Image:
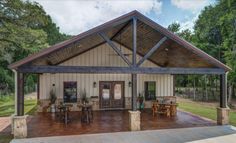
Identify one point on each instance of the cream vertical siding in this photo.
(164, 83)
(103, 56)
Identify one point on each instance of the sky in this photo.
(76, 16)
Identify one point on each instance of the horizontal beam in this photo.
(126, 70)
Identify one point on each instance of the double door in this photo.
(111, 94)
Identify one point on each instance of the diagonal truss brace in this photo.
(115, 48)
(152, 50)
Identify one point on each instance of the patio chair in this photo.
(155, 108)
(164, 109)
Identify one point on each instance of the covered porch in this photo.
(46, 124)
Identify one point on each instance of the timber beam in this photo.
(118, 51)
(125, 70)
(20, 94)
(223, 90)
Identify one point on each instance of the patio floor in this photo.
(45, 124)
(214, 134)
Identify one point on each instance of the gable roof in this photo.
(116, 25)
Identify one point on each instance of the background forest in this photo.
(25, 28)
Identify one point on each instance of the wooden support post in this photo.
(223, 90)
(134, 92)
(20, 94)
(223, 110)
(134, 42)
(38, 86)
(134, 76)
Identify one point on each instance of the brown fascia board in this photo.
(114, 22)
(182, 42)
(122, 19)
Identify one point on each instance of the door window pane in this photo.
(117, 91)
(106, 91)
(150, 90)
(70, 92)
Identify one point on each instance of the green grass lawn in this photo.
(5, 138)
(7, 105)
(205, 111)
(7, 108)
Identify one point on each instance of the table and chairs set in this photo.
(165, 106)
(64, 109)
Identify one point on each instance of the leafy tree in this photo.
(174, 27)
(215, 32)
(25, 28)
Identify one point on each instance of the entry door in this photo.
(111, 94)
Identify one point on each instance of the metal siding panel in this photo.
(101, 56)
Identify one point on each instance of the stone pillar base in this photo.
(222, 116)
(134, 121)
(19, 125)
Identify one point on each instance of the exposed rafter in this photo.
(121, 30)
(207, 60)
(115, 48)
(152, 50)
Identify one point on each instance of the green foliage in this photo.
(174, 27)
(6, 81)
(215, 33)
(30, 83)
(25, 28)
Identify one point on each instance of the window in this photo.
(150, 90)
(70, 92)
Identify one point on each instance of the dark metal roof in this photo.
(175, 52)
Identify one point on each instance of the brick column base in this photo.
(134, 121)
(19, 126)
(222, 116)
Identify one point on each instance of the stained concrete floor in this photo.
(213, 134)
(45, 125)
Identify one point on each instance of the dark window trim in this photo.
(146, 91)
(66, 82)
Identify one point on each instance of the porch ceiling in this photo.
(174, 52)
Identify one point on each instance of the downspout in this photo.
(15, 76)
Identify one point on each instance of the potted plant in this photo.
(53, 99)
(140, 101)
(84, 98)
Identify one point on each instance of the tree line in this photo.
(25, 28)
(215, 33)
